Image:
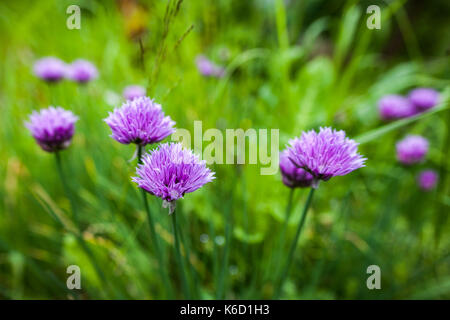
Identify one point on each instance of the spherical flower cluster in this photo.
(81, 71)
(52, 128)
(427, 179)
(170, 172)
(325, 154)
(208, 68)
(412, 149)
(424, 98)
(393, 107)
(50, 69)
(140, 121)
(292, 176)
(133, 91)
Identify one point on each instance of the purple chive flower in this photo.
(208, 68)
(292, 176)
(170, 172)
(412, 149)
(81, 71)
(133, 91)
(52, 128)
(394, 106)
(140, 121)
(325, 154)
(424, 98)
(50, 69)
(427, 179)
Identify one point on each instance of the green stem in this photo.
(153, 235)
(226, 253)
(180, 261)
(79, 234)
(282, 239)
(442, 188)
(294, 245)
(187, 253)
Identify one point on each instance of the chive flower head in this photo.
(140, 121)
(52, 128)
(170, 171)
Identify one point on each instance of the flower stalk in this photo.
(282, 238)
(153, 235)
(180, 262)
(79, 234)
(294, 245)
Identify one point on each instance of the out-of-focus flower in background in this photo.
(394, 106)
(208, 68)
(52, 128)
(424, 98)
(133, 91)
(427, 179)
(412, 149)
(81, 71)
(50, 69)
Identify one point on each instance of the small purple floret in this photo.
(292, 176)
(424, 98)
(393, 107)
(325, 154)
(427, 179)
(140, 121)
(412, 149)
(133, 91)
(170, 172)
(81, 71)
(50, 69)
(208, 68)
(52, 128)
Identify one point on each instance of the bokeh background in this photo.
(290, 65)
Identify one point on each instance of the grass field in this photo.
(289, 65)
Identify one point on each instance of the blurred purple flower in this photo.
(427, 179)
(133, 91)
(208, 68)
(52, 128)
(325, 154)
(424, 98)
(394, 106)
(50, 69)
(140, 121)
(170, 172)
(412, 149)
(292, 176)
(81, 71)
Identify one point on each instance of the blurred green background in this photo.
(292, 66)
